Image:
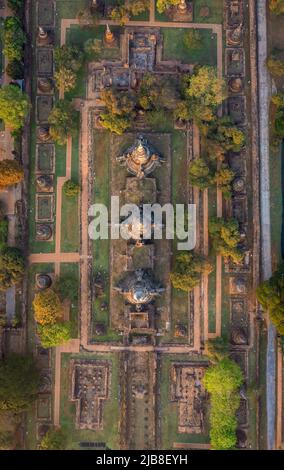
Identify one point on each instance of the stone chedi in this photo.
(42, 37)
(109, 36)
(44, 182)
(43, 281)
(141, 159)
(139, 288)
(43, 232)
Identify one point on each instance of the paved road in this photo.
(264, 98)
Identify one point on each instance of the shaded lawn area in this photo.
(70, 8)
(110, 432)
(175, 49)
(179, 196)
(70, 237)
(101, 146)
(212, 212)
(169, 410)
(215, 11)
(72, 270)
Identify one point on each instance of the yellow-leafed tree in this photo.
(47, 307)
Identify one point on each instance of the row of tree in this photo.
(52, 329)
(14, 39)
(222, 380)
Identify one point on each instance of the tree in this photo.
(14, 106)
(4, 226)
(223, 381)
(55, 439)
(276, 6)
(11, 173)
(52, 335)
(12, 267)
(65, 78)
(115, 123)
(71, 189)
(16, 6)
(163, 5)
(193, 39)
(149, 92)
(19, 382)
(187, 270)
(14, 38)
(275, 67)
(225, 238)
(223, 178)
(67, 288)
(47, 307)
(6, 440)
(270, 295)
(279, 122)
(222, 136)
(68, 56)
(204, 86)
(200, 174)
(217, 349)
(119, 107)
(62, 121)
(278, 100)
(68, 61)
(15, 70)
(93, 48)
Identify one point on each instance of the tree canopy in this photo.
(187, 270)
(14, 38)
(270, 295)
(14, 106)
(275, 67)
(163, 5)
(47, 307)
(12, 267)
(19, 382)
(119, 111)
(225, 238)
(200, 174)
(52, 335)
(55, 439)
(71, 189)
(63, 121)
(276, 6)
(223, 381)
(11, 173)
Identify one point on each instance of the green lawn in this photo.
(72, 270)
(179, 196)
(70, 226)
(175, 49)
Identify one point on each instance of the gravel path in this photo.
(264, 99)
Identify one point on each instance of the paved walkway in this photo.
(264, 99)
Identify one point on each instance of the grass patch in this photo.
(70, 237)
(175, 49)
(72, 270)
